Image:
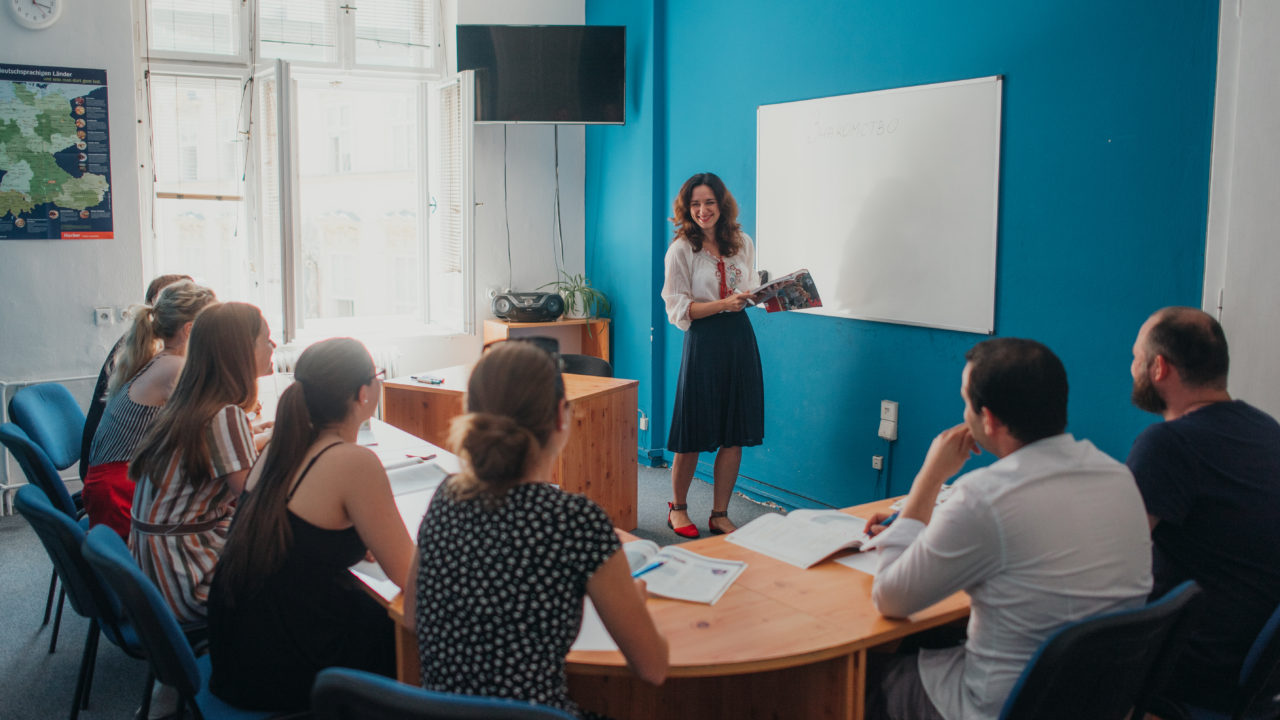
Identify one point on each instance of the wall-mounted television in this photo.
(574, 74)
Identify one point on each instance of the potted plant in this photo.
(580, 299)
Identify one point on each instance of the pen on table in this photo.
(427, 379)
(648, 569)
(423, 458)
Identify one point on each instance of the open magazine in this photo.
(803, 538)
(680, 574)
(794, 291)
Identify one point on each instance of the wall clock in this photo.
(35, 14)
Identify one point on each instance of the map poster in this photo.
(55, 156)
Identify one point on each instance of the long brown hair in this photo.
(177, 304)
(221, 370)
(727, 228)
(328, 378)
(513, 398)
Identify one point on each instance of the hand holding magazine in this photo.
(795, 291)
(680, 574)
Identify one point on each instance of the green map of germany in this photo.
(34, 124)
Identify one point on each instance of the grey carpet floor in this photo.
(36, 685)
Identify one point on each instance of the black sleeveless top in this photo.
(308, 615)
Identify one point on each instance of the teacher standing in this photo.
(719, 406)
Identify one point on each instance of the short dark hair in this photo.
(1023, 383)
(1193, 342)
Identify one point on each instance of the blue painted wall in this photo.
(1103, 204)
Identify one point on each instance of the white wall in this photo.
(48, 289)
(1242, 255)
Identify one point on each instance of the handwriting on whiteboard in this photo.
(866, 128)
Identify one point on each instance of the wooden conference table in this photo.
(781, 643)
(600, 459)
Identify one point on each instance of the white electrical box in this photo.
(889, 410)
(888, 430)
(877, 462)
(103, 316)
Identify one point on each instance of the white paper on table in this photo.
(592, 635)
(370, 573)
(803, 538)
(413, 507)
(416, 476)
(866, 561)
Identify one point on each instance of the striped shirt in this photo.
(180, 524)
(124, 422)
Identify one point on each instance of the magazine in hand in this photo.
(803, 538)
(795, 291)
(681, 574)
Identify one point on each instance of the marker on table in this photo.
(421, 458)
(428, 379)
(648, 568)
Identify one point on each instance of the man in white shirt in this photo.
(1052, 532)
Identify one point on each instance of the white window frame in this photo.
(241, 68)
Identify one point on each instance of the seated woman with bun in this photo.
(505, 557)
(283, 606)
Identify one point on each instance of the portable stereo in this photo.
(528, 306)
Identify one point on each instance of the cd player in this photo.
(528, 306)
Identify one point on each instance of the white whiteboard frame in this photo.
(778, 254)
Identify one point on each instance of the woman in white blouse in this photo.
(719, 406)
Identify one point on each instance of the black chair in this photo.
(1099, 667)
(1257, 695)
(168, 650)
(344, 694)
(586, 365)
(62, 538)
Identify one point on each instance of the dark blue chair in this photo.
(1099, 668)
(1257, 695)
(344, 694)
(168, 651)
(62, 538)
(52, 419)
(586, 365)
(42, 473)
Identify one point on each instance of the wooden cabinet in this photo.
(593, 333)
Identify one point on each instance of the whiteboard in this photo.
(889, 198)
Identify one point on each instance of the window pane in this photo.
(359, 193)
(298, 29)
(194, 26)
(205, 239)
(394, 33)
(197, 147)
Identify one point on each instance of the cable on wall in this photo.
(506, 213)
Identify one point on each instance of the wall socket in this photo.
(103, 316)
(877, 462)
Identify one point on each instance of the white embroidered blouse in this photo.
(695, 277)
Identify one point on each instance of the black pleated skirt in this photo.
(720, 395)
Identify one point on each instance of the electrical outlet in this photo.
(877, 462)
(888, 430)
(122, 313)
(889, 410)
(103, 316)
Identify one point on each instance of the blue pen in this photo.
(889, 520)
(648, 568)
(868, 537)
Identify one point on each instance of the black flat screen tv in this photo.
(573, 74)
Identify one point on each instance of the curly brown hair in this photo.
(727, 227)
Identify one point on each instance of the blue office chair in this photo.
(1098, 667)
(1257, 695)
(41, 473)
(586, 365)
(344, 694)
(62, 538)
(172, 660)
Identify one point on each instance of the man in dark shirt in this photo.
(1210, 477)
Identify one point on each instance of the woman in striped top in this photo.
(146, 369)
(192, 464)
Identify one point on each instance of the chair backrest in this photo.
(1260, 674)
(1097, 667)
(344, 694)
(167, 649)
(586, 365)
(52, 418)
(37, 466)
(63, 537)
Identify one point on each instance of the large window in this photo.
(296, 150)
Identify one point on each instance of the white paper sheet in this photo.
(592, 635)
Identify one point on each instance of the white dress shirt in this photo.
(692, 277)
(1049, 534)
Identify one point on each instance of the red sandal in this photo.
(686, 531)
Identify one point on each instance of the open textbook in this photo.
(680, 574)
(803, 538)
(794, 291)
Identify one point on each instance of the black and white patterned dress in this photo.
(500, 590)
